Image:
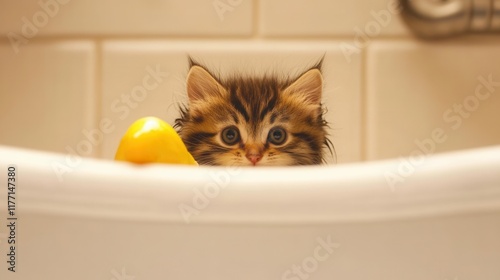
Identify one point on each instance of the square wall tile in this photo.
(127, 63)
(47, 95)
(115, 17)
(432, 97)
(371, 18)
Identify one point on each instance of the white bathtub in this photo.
(108, 220)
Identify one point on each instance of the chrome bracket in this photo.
(443, 18)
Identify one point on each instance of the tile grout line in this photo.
(256, 18)
(364, 104)
(254, 34)
(98, 92)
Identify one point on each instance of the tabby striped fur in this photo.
(254, 106)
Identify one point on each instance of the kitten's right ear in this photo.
(201, 85)
(307, 87)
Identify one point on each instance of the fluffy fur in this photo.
(257, 112)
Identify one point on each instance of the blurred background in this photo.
(75, 74)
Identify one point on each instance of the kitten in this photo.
(254, 120)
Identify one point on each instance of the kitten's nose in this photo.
(254, 157)
(253, 154)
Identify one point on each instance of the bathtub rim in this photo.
(469, 182)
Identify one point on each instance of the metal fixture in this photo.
(441, 18)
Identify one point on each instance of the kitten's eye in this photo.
(277, 136)
(230, 135)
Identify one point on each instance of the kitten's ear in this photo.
(201, 85)
(307, 87)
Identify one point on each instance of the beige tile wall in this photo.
(72, 68)
(417, 91)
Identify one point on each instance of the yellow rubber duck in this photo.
(151, 140)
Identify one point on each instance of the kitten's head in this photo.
(254, 121)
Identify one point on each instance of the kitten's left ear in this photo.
(201, 85)
(307, 87)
